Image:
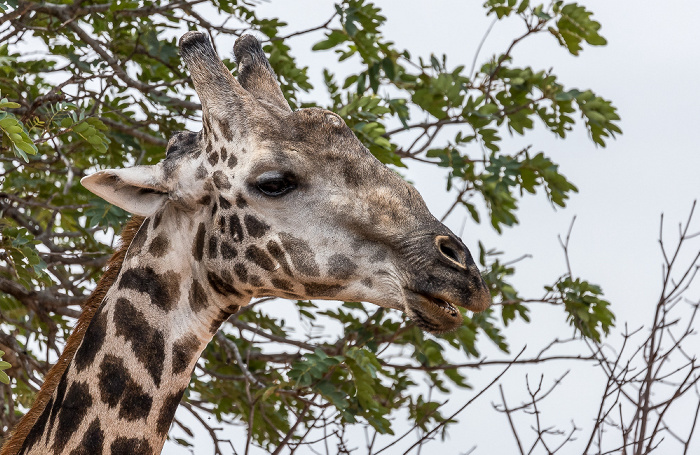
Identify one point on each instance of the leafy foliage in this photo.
(4, 378)
(14, 132)
(587, 311)
(20, 252)
(79, 104)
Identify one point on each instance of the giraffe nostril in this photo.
(451, 250)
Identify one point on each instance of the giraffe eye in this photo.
(275, 184)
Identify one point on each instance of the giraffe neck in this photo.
(120, 392)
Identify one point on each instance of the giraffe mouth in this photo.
(442, 305)
(431, 313)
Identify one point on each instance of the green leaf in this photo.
(13, 130)
(586, 310)
(575, 26)
(334, 38)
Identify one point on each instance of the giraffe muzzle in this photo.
(448, 279)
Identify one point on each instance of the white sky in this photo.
(649, 69)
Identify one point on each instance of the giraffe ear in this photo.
(138, 190)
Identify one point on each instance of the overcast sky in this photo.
(650, 70)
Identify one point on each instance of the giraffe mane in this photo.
(17, 436)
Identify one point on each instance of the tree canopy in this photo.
(104, 87)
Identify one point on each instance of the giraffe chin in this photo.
(431, 313)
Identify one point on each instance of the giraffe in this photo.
(263, 201)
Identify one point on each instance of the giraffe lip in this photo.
(444, 305)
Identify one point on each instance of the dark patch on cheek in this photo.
(198, 298)
(235, 228)
(260, 258)
(241, 272)
(214, 208)
(140, 238)
(159, 246)
(209, 149)
(147, 343)
(198, 245)
(322, 290)
(367, 282)
(212, 157)
(225, 204)
(232, 161)
(136, 404)
(301, 254)
(92, 341)
(92, 441)
(341, 267)
(255, 227)
(222, 224)
(282, 284)
(276, 251)
(201, 173)
(224, 154)
(205, 200)
(130, 446)
(226, 130)
(221, 181)
(167, 412)
(112, 380)
(74, 409)
(241, 203)
(163, 289)
(213, 247)
(184, 351)
(228, 251)
(222, 284)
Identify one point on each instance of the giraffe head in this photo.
(291, 204)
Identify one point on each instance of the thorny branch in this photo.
(642, 385)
